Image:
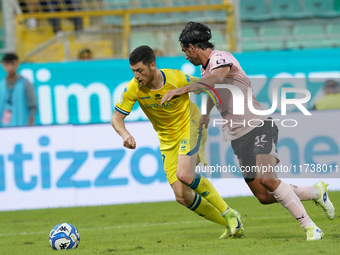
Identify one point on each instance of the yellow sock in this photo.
(203, 187)
(205, 209)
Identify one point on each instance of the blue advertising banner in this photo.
(86, 92)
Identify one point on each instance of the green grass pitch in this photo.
(168, 228)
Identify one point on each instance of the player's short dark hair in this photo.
(142, 54)
(9, 57)
(197, 34)
(331, 84)
(83, 51)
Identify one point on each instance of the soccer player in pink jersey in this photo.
(254, 146)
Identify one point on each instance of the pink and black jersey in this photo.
(237, 125)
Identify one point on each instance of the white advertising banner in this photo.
(61, 166)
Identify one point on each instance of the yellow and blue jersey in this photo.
(328, 102)
(171, 119)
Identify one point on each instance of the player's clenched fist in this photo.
(204, 120)
(129, 142)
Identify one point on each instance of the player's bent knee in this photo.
(269, 183)
(266, 182)
(184, 178)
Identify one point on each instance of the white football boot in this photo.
(324, 200)
(314, 233)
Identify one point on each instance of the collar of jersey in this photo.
(206, 64)
(164, 78)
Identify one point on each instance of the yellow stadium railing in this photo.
(28, 44)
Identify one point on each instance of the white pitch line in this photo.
(107, 228)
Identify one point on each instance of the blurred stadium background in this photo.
(292, 43)
(54, 30)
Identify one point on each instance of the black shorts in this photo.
(260, 140)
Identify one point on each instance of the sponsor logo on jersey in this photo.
(220, 61)
(158, 96)
(185, 141)
(167, 104)
(144, 97)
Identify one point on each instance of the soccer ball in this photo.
(64, 236)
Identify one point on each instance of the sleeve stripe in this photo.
(230, 64)
(121, 111)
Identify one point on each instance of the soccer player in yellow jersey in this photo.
(181, 140)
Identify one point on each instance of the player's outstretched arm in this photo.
(117, 122)
(216, 76)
